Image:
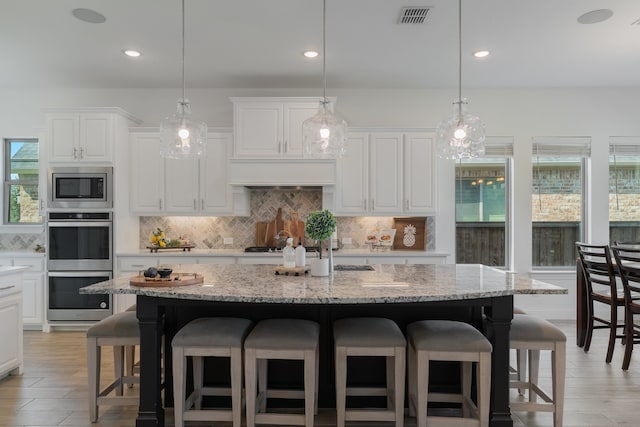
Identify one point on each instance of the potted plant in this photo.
(320, 225)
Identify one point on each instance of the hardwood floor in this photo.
(53, 389)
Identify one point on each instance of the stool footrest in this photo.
(285, 394)
(208, 415)
(367, 391)
(369, 414)
(282, 419)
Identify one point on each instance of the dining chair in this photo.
(628, 263)
(600, 279)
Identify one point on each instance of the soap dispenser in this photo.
(301, 254)
(289, 254)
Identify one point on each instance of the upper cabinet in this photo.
(87, 135)
(386, 173)
(271, 127)
(183, 186)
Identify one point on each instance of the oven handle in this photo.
(80, 274)
(79, 224)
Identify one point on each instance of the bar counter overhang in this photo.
(480, 295)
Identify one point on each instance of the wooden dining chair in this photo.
(600, 279)
(628, 263)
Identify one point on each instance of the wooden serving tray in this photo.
(176, 279)
(295, 271)
(154, 248)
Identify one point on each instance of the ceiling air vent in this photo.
(413, 15)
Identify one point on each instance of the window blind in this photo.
(624, 145)
(498, 146)
(562, 146)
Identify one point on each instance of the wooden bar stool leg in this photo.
(534, 368)
(118, 367)
(179, 380)
(390, 371)
(309, 386)
(93, 367)
(558, 366)
(198, 374)
(483, 379)
(236, 386)
(422, 374)
(521, 363)
(465, 385)
(412, 380)
(250, 368)
(315, 404)
(341, 385)
(262, 384)
(130, 361)
(400, 367)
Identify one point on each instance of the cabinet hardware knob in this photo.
(372, 204)
(81, 152)
(407, 204)
(285, 147)
(279, 147)
(160, 200)
(364, 204)
(202, 204)
(74, 153)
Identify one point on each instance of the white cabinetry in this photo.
(183, 186)
(10, 324)
(32, 288)
(270, 127)
(386, 173)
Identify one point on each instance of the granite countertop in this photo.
(240, 252)
(387, 284)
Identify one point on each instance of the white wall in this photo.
(519, 113)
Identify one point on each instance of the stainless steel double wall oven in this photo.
(80, 242)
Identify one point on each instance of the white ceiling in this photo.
(259, 44)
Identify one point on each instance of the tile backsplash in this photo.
(209, 232)
(20, 242)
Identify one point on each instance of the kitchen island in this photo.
(480, 295)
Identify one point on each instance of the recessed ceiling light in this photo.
(132, 53)
(481, 53)
(310, 53)
(89, 15)
(595, 16)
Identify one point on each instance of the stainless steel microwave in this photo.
(80, 187)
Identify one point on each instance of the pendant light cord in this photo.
(460, 57)
(183, 79)
(324, 56)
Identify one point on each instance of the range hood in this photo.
(282, 172)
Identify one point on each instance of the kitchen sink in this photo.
(347, 267)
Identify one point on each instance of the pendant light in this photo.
(460, 136)
(325, 134)
(181, 135)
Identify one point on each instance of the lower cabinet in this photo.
(10, 325)
(33, 291)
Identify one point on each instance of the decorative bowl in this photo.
(164, 272)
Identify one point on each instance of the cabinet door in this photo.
(295, 113)
(352, 173)
(215, 193)
(385, 177)
(96, 137)
(419, 173)
(63, 137)
(10, 327)
(147, 172)
(182, 194)
(33, 299)
(258, 129)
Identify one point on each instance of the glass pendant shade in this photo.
(182, 136)
(324, 135)
(461, 136)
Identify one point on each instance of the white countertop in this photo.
(387, 284)
(5, 271)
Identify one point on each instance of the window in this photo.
(482, 190)
(21, 177)
(557, 199)
(624, 189)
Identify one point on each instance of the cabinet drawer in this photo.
(34, 264)
(136, 264)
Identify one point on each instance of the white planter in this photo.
(319, 267)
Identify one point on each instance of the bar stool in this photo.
(448, 340)
(290, 339)
(518, 373)
(118, 330)
(369, 336)
(533, 334)
(208, 337)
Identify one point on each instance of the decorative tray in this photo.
(183, 248)
(294, 271)
(175, 279)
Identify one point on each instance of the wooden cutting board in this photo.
(295, 227)
(261, 233)
(273, 228)
(176, 279)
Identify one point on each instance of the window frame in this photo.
(7, 182)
